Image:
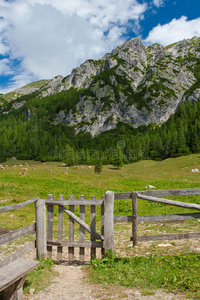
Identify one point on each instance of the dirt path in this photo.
(71, 284)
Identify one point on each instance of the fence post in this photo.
(134, 219)
(41, 240)
(109, 221)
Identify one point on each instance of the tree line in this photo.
(31, 133)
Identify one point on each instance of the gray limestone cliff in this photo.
(135, 84)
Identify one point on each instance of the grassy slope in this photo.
(169, 174)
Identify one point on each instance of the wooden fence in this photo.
(152, 195)
(104, 239)
(11, 236)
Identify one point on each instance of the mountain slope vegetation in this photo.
(135, 103)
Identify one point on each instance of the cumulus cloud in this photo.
(176, 30)
(158, 3)
(51, 37)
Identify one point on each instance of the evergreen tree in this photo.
(98, 167)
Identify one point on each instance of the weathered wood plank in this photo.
(134, 219)
(17, 254)
(71, 230)
(80, 222)
(179, 236)
(8, 237)
(93, 227)
(16, 206)
(50, 224)
(41, 239)
(75, 202)
(102, 223)
(123, 219)
(82, 230)
(9, 274)
(158, 218)
(60, 228)
(109, 221)
(159, 193)
(169, 202)
(86, 244)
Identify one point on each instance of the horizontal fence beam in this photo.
(159, 193)
(8, 237)
(169, 202)
(158, 218)
(19, 253)
(179, 236)
(75, 202)
(89, 244)
(16, 206)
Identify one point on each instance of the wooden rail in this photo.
(159, 193)
(16, 206)
(18, 233)
(152, 196)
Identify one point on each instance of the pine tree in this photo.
(98, 167)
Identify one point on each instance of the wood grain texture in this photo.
(60, 228)
(16, 206)
(9, 274)
(134, 219)
(169, 202)
(159, 193)
(50, 209)
(41, 238)
(179, 236)
(158, 218)
(109, 221)
(71, 230)
(8, 237)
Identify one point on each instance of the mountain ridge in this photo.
(135, 84)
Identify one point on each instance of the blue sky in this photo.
(40, 39)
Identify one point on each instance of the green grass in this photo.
(39, 278)
(176, 274)
(173, 173)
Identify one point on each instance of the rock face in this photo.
(136, 84)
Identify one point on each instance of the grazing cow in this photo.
(24, 169)
(33, 168)
(23, 173)
(50, 171)
(89, 167)
(2, 168)
(65, 173)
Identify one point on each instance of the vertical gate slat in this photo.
(82, 230)
(134, 219)
(60, 229)
(93, 226)
(71, 231)
(102, 223)
(50, 225)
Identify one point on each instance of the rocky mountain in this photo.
(135, 84)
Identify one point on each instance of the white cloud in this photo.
(4, 67)
(158, 3)
(51, 37)
(176, 30)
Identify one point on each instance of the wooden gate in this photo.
(85, 236)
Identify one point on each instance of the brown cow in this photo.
(23, 173)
